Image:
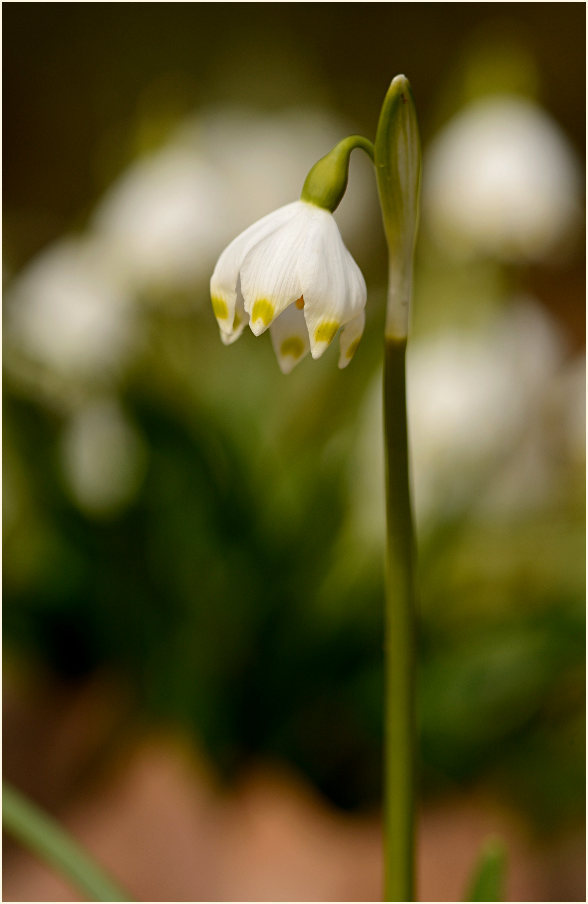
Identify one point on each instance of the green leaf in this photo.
(488, 878)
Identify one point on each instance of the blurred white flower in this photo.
(475, 399)
(162, 218)
(501, 179)
(291, 272)
(166, 217)
(472, 398)
(569, 397)
(103, 458)
(67, 312)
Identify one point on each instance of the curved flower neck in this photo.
(327, 180)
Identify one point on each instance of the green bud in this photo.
(398, 171)
(327, 180)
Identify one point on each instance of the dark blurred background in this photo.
(193, 543)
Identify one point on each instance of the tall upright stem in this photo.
(400, 745)
(397, 157)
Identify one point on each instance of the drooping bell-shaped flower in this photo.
(291, 272)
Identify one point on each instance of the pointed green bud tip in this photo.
(327, 180)
(398, 171)
(398, 165)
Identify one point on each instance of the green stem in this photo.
(400, 745)
(38, 832)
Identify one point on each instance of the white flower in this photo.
(69, 313)
(291, 272)
(480, 437)
(103, 458)
(158, 212)
(501, 179)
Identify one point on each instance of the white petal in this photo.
(333, 286)
(223, 282)
(269, 274)
(240, 320)
(290, 338)
(349, 338)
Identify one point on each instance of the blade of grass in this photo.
(41, 834)
(488, 878)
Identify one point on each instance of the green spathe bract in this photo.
(327, 180)
(398, 169)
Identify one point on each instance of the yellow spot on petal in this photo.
(325, 331)
(219, 306)
(353, 347)
(293, 346)
(263, 310)
(300, 302)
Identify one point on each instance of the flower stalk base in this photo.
(399, 769)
